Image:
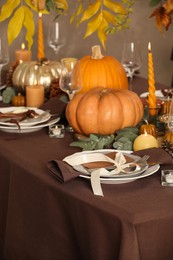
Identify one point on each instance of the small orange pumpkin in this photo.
(148, 129)
(18, 100)
(103, 71)
(104, 111)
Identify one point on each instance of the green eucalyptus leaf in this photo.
(8, 95)
(154, 2)
(123, 139)
(93, 137)
(118, 145)
(128, 146)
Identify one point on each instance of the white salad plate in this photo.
(42, 116)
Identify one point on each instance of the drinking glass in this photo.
(70, 78)
(4, 58)
(55, 38)
(131, 59)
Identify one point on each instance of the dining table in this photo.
(42, 218)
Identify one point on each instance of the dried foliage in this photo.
(101, 16)
(163, 13)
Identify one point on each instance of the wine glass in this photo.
(70, 78)
(131, 59)
(4, 58)
(55, 38)
(170, 116)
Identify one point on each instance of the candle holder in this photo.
(167, 178)
(56, 131)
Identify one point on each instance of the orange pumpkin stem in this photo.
(96, 52)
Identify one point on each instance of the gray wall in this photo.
(141, 27)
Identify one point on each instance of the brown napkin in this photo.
(157, 155)
(62, 171)
(55, 105)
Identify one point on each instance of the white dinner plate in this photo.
(27, 122)
(78, 159)
(151, 170)
(26, 129)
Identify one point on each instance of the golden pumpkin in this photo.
(32, 73)
(104, 111)
(18, 100)
(148, 129)
(103, 71)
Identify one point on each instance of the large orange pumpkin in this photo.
(103, 71)
(104, 111)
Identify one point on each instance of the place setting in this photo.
(25, 119)
(108, 166)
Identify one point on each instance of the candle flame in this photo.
(40, 15)
(20, 61)
(23, 46)
(149, 46)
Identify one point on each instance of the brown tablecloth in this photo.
(40, 218)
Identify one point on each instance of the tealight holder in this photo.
(167, 178)
(56, 131)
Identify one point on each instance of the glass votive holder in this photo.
(167, 178)
(56, 131)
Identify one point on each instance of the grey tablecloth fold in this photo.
(157, 155)
(62, 171)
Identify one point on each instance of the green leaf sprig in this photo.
(122, 140)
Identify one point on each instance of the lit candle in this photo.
(34, 95)
(152, 100)
(145, 141)
(57, 31)
(169, 178)
(40, 54)
(23, 55)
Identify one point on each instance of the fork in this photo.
(142, 159)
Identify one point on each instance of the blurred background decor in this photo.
(140, 27)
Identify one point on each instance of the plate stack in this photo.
(15, 119)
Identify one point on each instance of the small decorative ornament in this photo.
(18, 100)
(149, 129)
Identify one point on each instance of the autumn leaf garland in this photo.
(21, 13)
(101, 16)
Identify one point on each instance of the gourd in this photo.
(104, 111)
(103, 71)
(148, 129)
(18, 100)
(33, 73)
